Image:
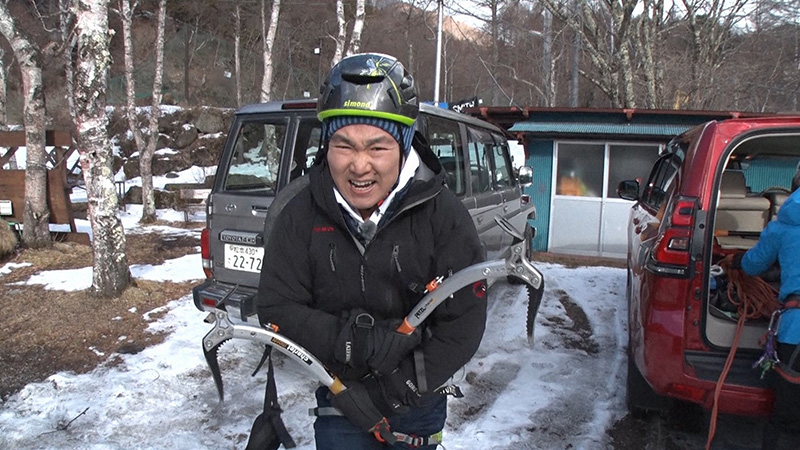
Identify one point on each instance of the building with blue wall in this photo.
(578, 157)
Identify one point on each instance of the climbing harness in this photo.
(412, 440)
(769, 359)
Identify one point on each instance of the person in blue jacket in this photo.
(780, 242)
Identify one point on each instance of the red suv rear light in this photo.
(205, 252)
(672, 253)
(673, 247)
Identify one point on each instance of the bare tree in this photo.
(606, 34)
(358, 27)
(237, 60)
(648, 43)
(711, 23)
(269, 42)
(341, 37)
(3, 91)
(489, 12)
(66, 24)
(36, 215)
(548, 62)
(354, 46)
(110, 267)
(146, 144)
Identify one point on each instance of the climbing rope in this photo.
(754, 299)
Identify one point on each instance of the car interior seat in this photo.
(776, 199)
(737, 210)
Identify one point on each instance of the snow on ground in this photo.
(556, 394)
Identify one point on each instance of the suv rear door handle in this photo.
(259, 210)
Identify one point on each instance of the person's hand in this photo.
(398, 389)
(366, 343)
(355, 403)
(390, 347)
(732, 261)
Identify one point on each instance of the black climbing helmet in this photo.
(369, 85)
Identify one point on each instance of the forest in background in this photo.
(683, 54)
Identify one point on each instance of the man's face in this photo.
(365, 162)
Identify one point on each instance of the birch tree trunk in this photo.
(3, 92)
(269, 41)
(110, 274)
(342, 36)
(67, 21)
(548, 62)
(147, 152)
(36, 214)
(236, 54)
(126, 14)
(358, 27)
(650, 26)
(3, 114)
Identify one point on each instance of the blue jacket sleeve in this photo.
(764, 254)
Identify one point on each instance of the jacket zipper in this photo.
(396, 257)
(332, 257)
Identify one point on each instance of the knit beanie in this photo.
(403, 134)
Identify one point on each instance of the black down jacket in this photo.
(315, 271)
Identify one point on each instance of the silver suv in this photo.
(253, 169)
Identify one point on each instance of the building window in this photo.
(580, 169)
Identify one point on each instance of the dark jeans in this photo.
(785, 416)
(337, 433)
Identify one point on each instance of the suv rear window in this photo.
(256, 156)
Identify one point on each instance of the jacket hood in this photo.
(789, 212)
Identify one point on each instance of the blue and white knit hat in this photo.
(401, 133)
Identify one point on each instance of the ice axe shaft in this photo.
(224, 329)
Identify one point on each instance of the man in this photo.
(349, 253)
(780, 242)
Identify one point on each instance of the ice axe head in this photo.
(211, 354)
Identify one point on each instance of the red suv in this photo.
(710, 193)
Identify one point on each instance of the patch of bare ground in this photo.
(573, 261)
(47, 331)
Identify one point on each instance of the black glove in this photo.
(390, 347)
(363, 342)
(355, 403)
(396, 392)
(736, 261)
(733, 260)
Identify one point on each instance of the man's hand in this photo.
(366, 343)
(355, 403)
(390, 347)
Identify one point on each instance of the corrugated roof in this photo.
(631, 129)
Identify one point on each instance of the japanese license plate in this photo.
(243, 257)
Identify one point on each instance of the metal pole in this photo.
(438, 55)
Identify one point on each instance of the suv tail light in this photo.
(205, 252)
(672, 252)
